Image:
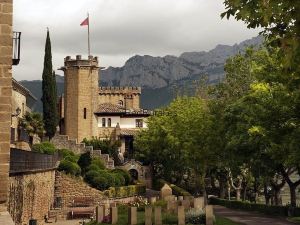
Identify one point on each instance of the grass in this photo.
(225, 221)
(294, 219)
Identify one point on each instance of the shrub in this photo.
(125, 191)
(175, 189)
(170, 219)
(84, 161)
(125, 174)
(89, 176)
(98, 162)
(65, 152)
(69, 167)
(44, 147)
(195, 216)
(119, 179)
(100, 183)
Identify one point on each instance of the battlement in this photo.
(78, 61)
(119, 90)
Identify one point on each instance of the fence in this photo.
(26, 161)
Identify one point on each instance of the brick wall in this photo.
(5, 94)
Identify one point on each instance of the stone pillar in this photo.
(152, 200)
(132, 215)
(114, 215)
(209, 215)
(181, 215)
(6, 15)
(157, 215)
(199, 203)
(99, 214)
(148, 215)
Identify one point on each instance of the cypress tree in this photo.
(49, 97)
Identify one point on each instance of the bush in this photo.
(65, 152)
(69, 167)
(195, 216)
(100, 183)
(125, 191)
(84, 161)
(44, 147)
(125, 174)
(89, 176)
(98, 162)
(119, 179)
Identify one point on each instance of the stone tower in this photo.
(80, 97)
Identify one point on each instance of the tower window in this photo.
(103, 122)
(109, 122)
(120, 102)
(138, 123)
(84, 113)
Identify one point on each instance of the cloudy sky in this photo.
(119, 29)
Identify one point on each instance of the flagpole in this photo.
(89, 46)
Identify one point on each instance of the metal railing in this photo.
(27, 161)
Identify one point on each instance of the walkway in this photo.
(249, 218)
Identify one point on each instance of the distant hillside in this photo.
(161, 77)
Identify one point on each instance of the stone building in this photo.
(23, 101)
(87, 110)
(6, 51)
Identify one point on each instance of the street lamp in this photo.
(18, 111)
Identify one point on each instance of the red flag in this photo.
(85, 22)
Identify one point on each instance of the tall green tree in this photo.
(49, 97)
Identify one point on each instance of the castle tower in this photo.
(80, 97)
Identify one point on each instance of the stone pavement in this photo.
(249, 218)
(67, 222)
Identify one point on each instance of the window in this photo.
(103, 122)
(120, 102)
(109, 122)
(138, 123)
(84, 113)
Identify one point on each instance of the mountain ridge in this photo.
(160, 75)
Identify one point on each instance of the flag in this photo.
(85, 22)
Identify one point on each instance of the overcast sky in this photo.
(119, 29)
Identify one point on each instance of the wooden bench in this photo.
(83, 202)
(82, 212)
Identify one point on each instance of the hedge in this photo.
(175, 189)
(262, 208)
(125, 191)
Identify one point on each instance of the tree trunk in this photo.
(238, 194)
(266, 194)
(277, 196)
(245, 192)
(293, 195)
(222, 188)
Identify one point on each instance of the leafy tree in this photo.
(84, 162)
(32, 123)
(279, 19)
(69, 167)
(49, 97)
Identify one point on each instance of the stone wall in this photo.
(31, 196)
(63, 142)
(6, 11)
(67, 188)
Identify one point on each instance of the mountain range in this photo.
(161, 77)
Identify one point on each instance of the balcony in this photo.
(16, 48)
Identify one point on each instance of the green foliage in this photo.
(49, 97)
(107, 146)
(44, 147)
(125, 174)
(33, 124)
(98, 163)
(69, 167)
(159, 183)
(125, 191)
(84, 162)
(279, 20)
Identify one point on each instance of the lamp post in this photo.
(18, 111)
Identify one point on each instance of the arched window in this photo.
(84, 113)
(120, 102)
(103, 122)
(109, 122)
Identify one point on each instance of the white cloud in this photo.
(119, 29)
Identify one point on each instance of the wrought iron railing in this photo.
(16, 47)
(27, 161)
